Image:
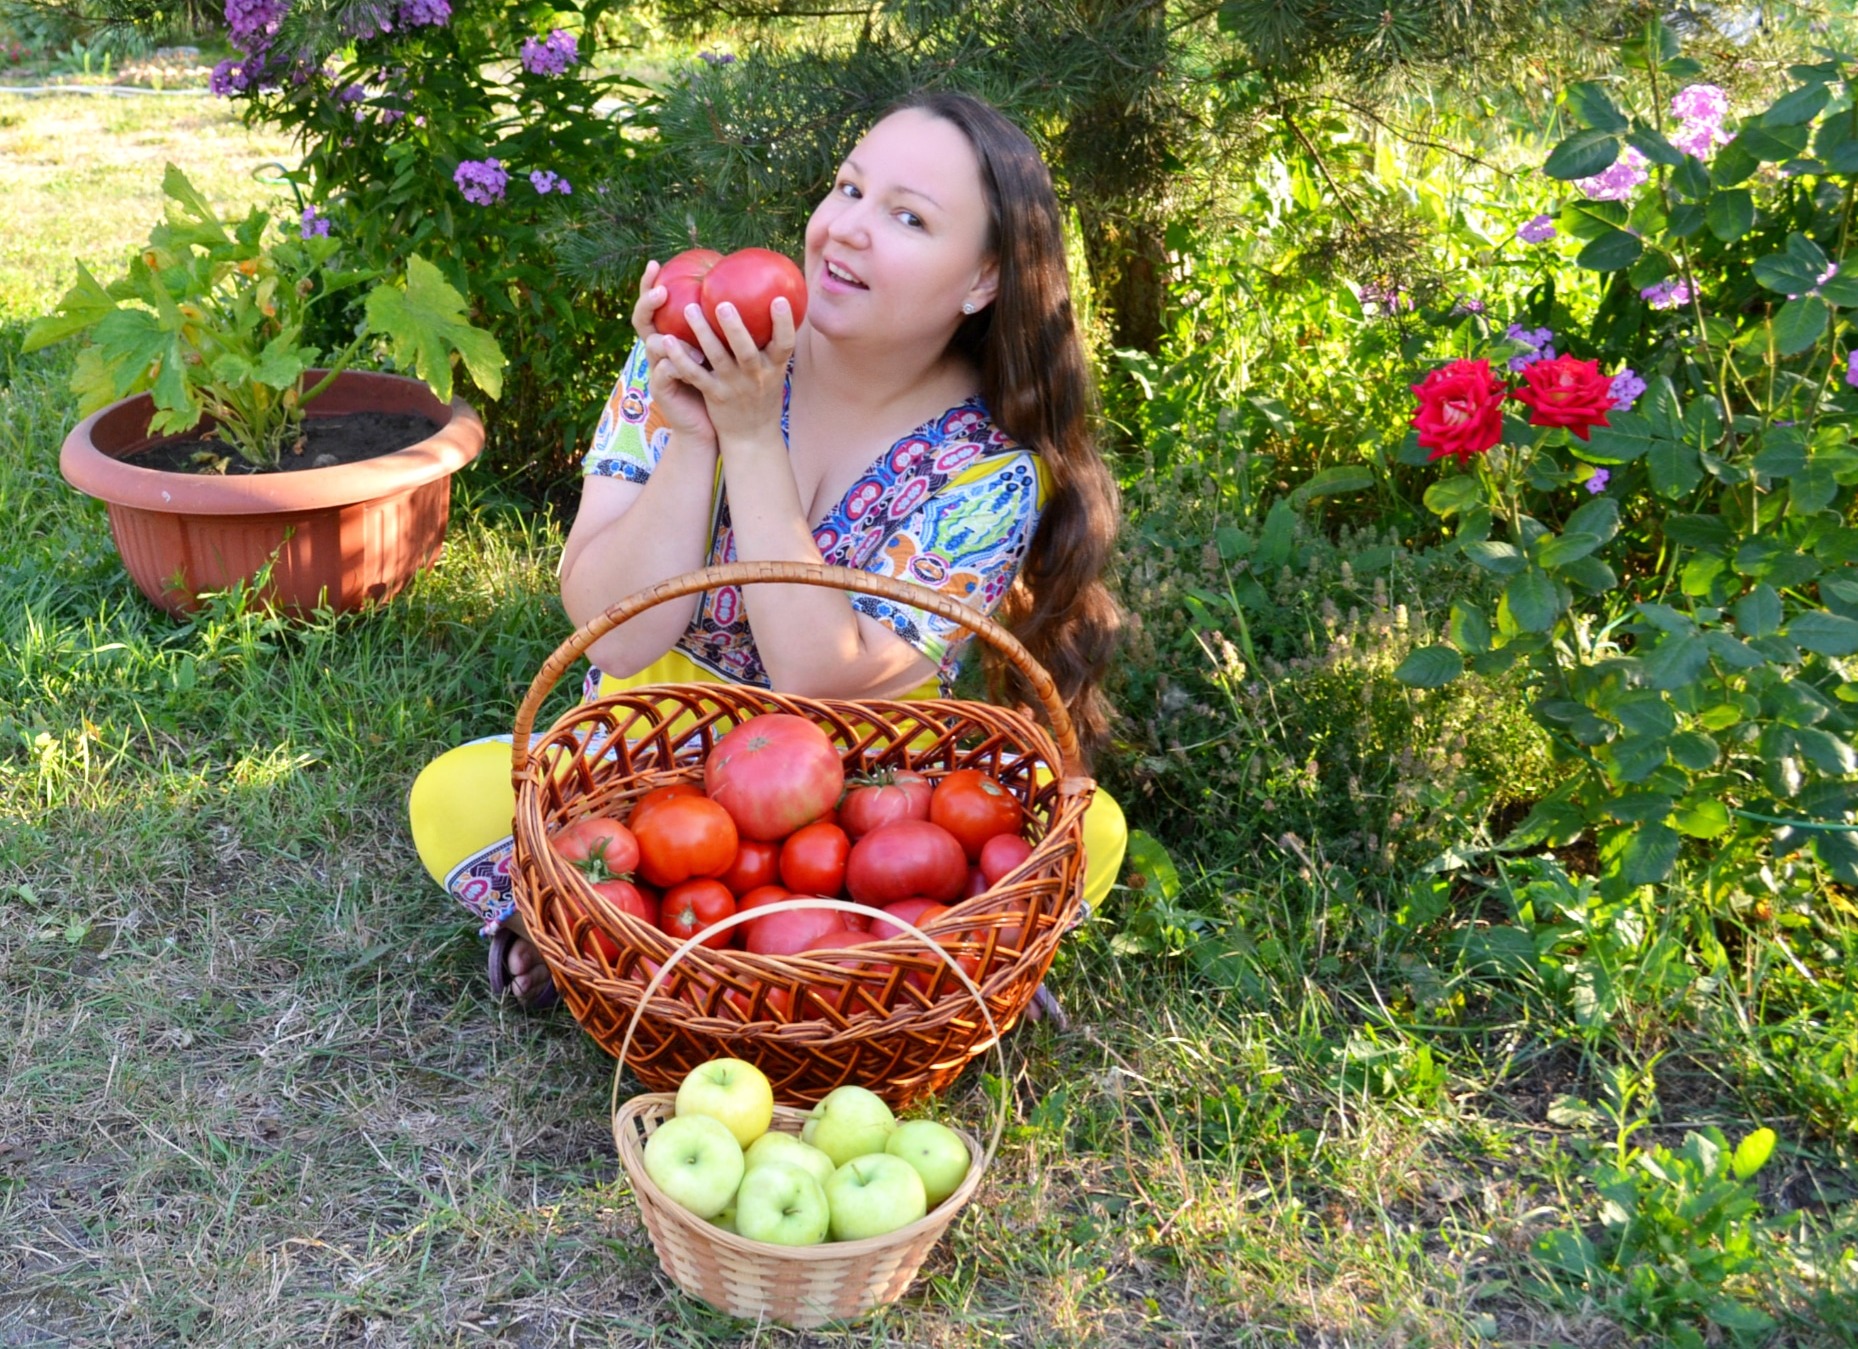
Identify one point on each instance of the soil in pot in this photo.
(345, 438)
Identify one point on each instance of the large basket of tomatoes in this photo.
(644, 817)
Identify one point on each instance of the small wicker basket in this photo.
(800, 1286)
(885, 1015)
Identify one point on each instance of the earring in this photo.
(967, 306)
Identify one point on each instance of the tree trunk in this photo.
(1128, 261)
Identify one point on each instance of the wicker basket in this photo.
(801, 1286)
(888, 1015)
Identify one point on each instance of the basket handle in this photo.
(841, 906)
(1064, 735)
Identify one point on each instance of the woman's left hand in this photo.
(742, 388)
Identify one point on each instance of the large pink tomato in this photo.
(773, 774)
(906, 859)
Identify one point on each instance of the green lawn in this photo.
(253, 1090)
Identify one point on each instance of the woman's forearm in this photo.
(811, 641)
(664, 533)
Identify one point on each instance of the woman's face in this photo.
(900, 242)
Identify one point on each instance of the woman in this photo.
(928, 420)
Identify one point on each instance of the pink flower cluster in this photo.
(545, 182)
(551, 55)
(1617, 181)
(1666, 294)
(1537, 230)
(1700, 109)
(1540, 342)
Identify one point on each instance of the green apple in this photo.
(872, 1195)
(850, 1122)
(936, 1151)
(774, 1146)
(725, 1219)
(781, 1204)
(732, 1091)
(696, 1161)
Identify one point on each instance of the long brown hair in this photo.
(1037, 384)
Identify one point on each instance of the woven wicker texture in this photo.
(888, 1016)
(799, 1286)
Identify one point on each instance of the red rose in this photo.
(1567, 392)
(1460, 410)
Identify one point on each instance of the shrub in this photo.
(455, 131)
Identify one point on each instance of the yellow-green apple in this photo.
(848, 1122)
(936, 1151)
(782, 1204)
(774, 1146)
(696, 1161)
(729, 1090)
(872, 1195)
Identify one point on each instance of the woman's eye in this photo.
(911, 219)
(849, 190)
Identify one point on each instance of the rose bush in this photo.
(1672, 544)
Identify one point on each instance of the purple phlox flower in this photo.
(1537, 229)
(1700, 103)
(1851, 369)
(1468, 304)
(1831, 271)
(546, 182)
(1389, 299)
(1617, 181)
(1666, 294)
(1539, 341)
(425, 13)
(1627, 386)
(314, 224)
(350, 93)
(228, 78)
(551, 55)
(482, 181)
(1597, 481)
(717, 58)
(253, 23)
(1701, 139)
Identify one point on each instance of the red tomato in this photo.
(813, 860)
(782, 934)
(941, 981)
(974, 807)
(760, 895)
(690, 907)
(773, 774)
(751, 279)
(600, 847)
(685, 838)
(977, 883)
(656, 797)
(1000, 854)
(627, 898)
(756, 864)
(905, 860)
(859, 995)
(917, 911)
(886, 796)
(682, 278)
(775, 1006)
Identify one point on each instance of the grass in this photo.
(253, 1090)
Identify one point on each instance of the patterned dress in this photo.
(952, 505)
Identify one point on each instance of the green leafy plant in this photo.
(1671, 538)
(1681, 1238)
(212, 321)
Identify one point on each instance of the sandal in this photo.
(503, 983)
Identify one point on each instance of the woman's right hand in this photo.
(681, 406)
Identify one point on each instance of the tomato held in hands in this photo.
(682, 278)
(905, 860)
(690, 907)
(884, 797)
(750, 279)
(685, 838)
(974, 808)
(773, 774)
(600, 847)
(813, 860)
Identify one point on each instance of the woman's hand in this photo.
(679, 403)
(743, 387)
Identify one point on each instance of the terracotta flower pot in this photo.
(344, 536)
